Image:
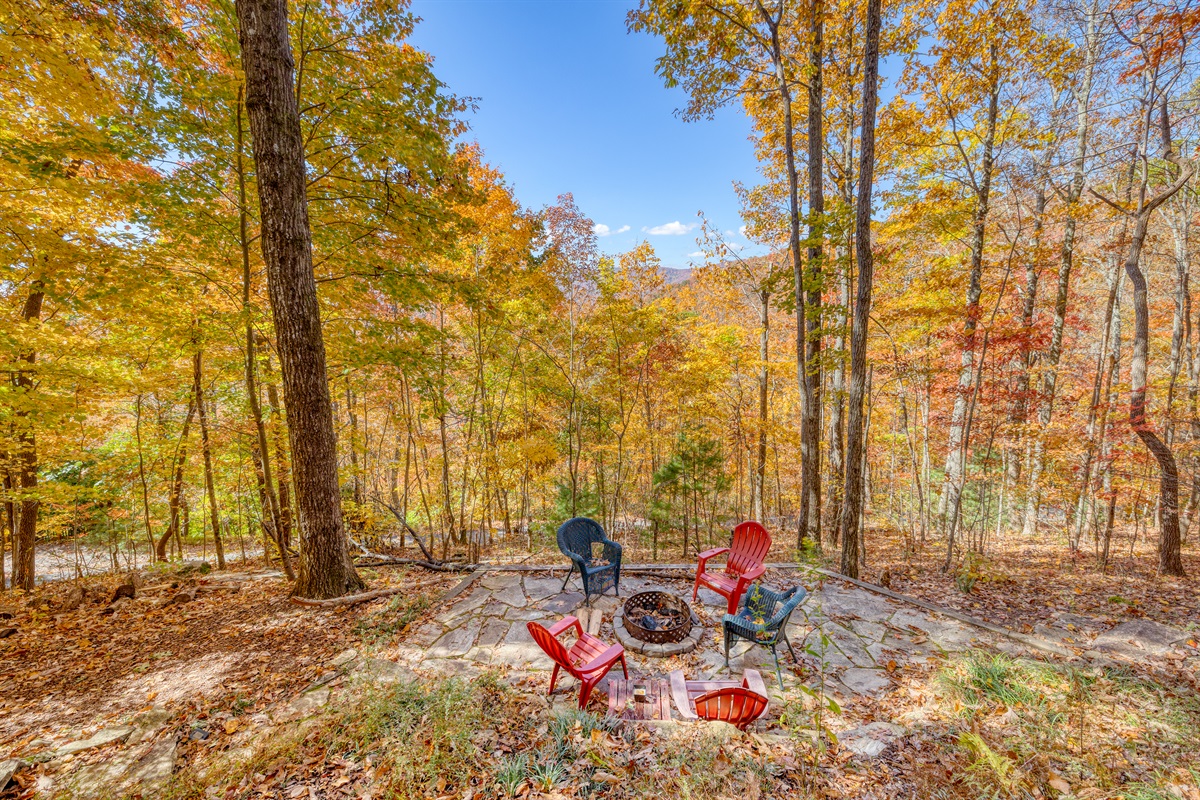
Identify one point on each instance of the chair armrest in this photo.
(582, 561)
(740, 623)
(680, 696)
(604, 660)
(752, 574)
(793, 602)
(565, 623)
(612, 551)
(707, 554)
(753, 681)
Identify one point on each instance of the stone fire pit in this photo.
(657, 624)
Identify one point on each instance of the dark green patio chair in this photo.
(763, 620)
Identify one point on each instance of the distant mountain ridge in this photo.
(676, 275)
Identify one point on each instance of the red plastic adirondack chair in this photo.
(747, 551)
(737, 703)
(588, 660)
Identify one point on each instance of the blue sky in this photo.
(569, 102)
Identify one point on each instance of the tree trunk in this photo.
(283, 472)
(272, 511)
(837, 417)
(789, 152)
(764, 340)
(209, 485)
(25, 539)
(325, 566)
(852, 494)
(1169, 559)
(173, 499)
(810, 423)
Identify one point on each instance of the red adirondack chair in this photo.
(747, 551)
(737, 703)
(588, 660)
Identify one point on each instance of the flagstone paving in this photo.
(849, 639)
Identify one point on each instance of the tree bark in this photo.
(325, 566)
(793, 179)
(269, 503)
(25, 539)
(810, 424)
(178, 464)
(852, 493)
(1169, 560)
(764, 340)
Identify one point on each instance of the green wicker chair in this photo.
(763, 620)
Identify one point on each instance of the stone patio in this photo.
(850, 636)
(849, 640)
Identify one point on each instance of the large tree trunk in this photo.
(764, 355)
(1169, 559)
(810, 415)
(852, 493)
(269, 503)
(789, 153)
(209, 484)
(25, 539)
(325, 566)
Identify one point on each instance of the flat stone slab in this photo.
(541, 588)
(870, 740)
(381, 670)
(836, 600)
(511, 595)
(144, 770)
(100, 739)
(344, 658)
(307, 704)
(864, 681)
(492, 633)
(1139, 637)
(478, 596)
(456, 642)
(563, 603)
(525, 614)
(426, 635)
(9, 768)
(501, 581)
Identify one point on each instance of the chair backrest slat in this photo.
(734, 705)
(550, 646)
(749, 547)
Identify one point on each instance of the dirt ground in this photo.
(240, 642)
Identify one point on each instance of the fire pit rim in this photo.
(658, 636)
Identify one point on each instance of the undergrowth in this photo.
(1030, 729)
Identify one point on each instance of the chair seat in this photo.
(718, 582)
(587, 648)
